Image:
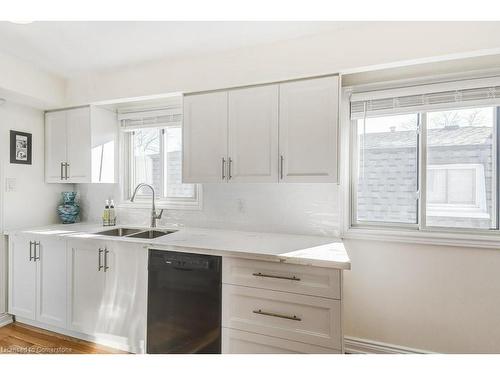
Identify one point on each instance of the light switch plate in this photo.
(10, 184)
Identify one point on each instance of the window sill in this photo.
(457, 238)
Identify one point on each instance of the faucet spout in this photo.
(154, 215)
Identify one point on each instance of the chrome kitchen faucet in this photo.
(154, 215)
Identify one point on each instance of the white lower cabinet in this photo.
(97, 290)
(37, 279)
(87, 288)
(22, 277)
(108, 292)
(124, 306)
(313, 281)
(51, 293)
(271, 307)
(240, 342)
(308, 319)
(86, 280)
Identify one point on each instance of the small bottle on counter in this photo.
(105, 214)
(112, 213)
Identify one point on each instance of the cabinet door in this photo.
(86, 286)
(22, 277)
(308, 130)
(253, 134)
(126, 293)
(55, 146)
(51, 281)
(79, 145)
(204, 137)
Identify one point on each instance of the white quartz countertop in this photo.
(286, 248)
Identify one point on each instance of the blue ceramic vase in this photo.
(69, 210)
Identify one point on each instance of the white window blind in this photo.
(459, 94)
(150, 119)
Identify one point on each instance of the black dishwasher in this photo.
(184, 303)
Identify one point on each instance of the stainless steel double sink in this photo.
(136, 233)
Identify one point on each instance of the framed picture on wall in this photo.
(20, 147)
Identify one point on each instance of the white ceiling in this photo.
(68, 48)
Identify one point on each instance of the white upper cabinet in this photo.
(81, 145)
(253, 134)
(309, 130)
(78, 144)
(204, 137)
(284, 132)
(55, 145)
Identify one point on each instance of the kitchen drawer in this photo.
(307, 319)
(241, 342)
(314, 281)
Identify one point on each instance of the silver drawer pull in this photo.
(106, 252)
(259, 274)
(36, 244)
(31, 251)
(230, 162)
(99, 264)
(282, 159)
(260, 312)
(223, 168)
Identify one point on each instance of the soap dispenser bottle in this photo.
(112, 213)
(105, 214)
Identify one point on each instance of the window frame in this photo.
(162, 202)
(402, 232)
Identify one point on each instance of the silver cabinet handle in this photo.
(229, 160)
(289, 317)
(62, 166)
(259, 274)
(37, 244)
(66, 166)
(31, 251)
(106, 252)
(282, 159)
(99, 265)
(223, 168)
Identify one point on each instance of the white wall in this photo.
(436, 298)
(351, 48)
(24, 83)
(287, 208)
(34, 202)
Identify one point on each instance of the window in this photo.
(426, 161)
(460, 168)
(387, 175)
(154, 156)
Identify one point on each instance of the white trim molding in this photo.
(5, 319)
(456, 238)
(355, 345)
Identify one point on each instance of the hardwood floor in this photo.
(18, 338)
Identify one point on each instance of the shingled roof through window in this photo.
(449, 136)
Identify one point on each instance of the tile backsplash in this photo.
(283, 208)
